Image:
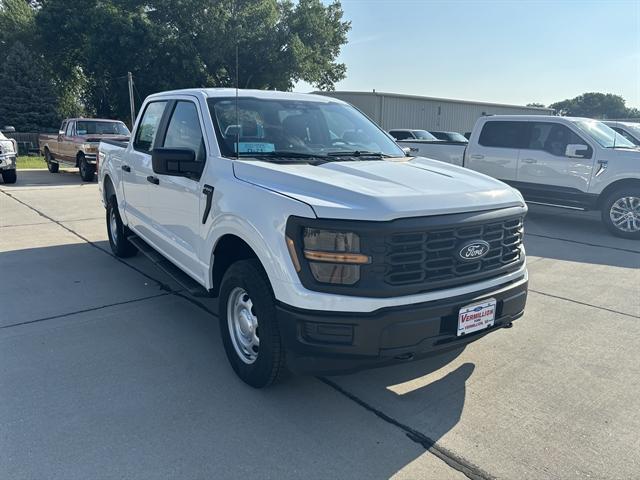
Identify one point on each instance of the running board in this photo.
(188, 283)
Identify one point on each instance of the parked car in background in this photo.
(568, 162)
(408, 134)
(357, 255)
(8, 157)
(629, 130)
(453, 137)
(76, 144)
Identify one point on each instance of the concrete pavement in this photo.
(108, 370)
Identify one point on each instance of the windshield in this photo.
(101, 128)
(604, 135)
(423, 135)
(274, 127)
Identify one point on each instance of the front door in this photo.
(136, 169)
(544, 167)
(176, 200)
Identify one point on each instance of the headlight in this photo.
(90, 148)
(334, 257)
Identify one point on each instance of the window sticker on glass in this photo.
(256, 147)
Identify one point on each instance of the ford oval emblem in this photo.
(474, 250)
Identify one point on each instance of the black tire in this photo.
(120, 246)
(87, 170)
(52, 166)
(9, 176)
(269, 366)
(628, 197)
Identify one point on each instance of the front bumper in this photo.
(7, 162)
(91, 158)
(340, 342)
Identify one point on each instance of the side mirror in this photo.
(407, 151)
(178, 162)
(577, 151)
(60, 132)
(9, 129)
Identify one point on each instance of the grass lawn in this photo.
(31, 162)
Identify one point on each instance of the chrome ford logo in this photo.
(474, 250)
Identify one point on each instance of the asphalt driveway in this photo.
(109, 370)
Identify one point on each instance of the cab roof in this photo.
(247, 93)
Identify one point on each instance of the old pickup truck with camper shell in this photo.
(76, 144)
(329, 250)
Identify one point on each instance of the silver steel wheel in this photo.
(113, 226)
(243, 325)
(625, 214)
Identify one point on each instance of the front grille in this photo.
(430, 258)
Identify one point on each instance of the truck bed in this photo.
(449, 152)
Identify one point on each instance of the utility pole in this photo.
(132, 105)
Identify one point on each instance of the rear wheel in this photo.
(9, 176)
(249, 326)
(51, 165)
(621, 212)
(87, 170)
(118, 232)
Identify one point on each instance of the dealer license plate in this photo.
(477, 316)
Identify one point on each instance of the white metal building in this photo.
(391, 110)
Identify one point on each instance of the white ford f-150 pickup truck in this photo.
(329, 250)
(565, 162)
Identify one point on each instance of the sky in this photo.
(514, 52)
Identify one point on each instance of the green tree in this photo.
(17, 23)
(170, 44)
(27, 98)
(593, 105)
(535, 104)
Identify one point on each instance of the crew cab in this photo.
(8, 156)
(76, 144)
(328, 249)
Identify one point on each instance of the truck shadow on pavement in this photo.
(102, 359)
(576, 237)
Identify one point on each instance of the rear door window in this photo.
(503, 134)
(148, 128)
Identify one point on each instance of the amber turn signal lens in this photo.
(294, 256)
(353, 258)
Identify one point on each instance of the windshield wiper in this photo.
(285, 154)
(359, 153)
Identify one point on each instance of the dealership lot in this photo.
(108, 370)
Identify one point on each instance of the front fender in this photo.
(259, 217)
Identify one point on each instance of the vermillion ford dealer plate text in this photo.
(477, 316)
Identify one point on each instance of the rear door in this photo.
(495, 153)
(546, 172)
(176, 200)
(137, 170)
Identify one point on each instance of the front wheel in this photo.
(118, 232)
(9, 176)
(249, 326)
(87, 170)
(621, 212)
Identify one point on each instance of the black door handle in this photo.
(152, 179)
(126, 168)
(208, 191)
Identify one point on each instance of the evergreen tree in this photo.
(28, 99)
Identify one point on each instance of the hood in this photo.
(381, 190)
(97, 138)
